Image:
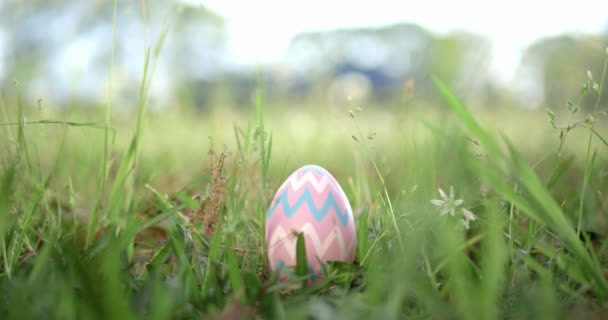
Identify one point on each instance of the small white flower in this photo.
(468, 215)
(447, 204)
(438, 202)
(463, 223)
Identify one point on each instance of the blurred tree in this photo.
(38, 28)
(389, 57)
(393, 51)
(460, 59)
(60, 49)
(560, 65)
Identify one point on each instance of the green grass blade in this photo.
(362, 235)
(7, 185)
(559, 171)
(234, 272)
(301, 261)
(493, 263)
(212, 258)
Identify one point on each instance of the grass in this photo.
(185, 237)
(167, 260)
(161, 215)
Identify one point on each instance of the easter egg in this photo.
(310, 202)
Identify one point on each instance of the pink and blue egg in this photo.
(311, 202)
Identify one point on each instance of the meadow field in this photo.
(160, 214)
(124, 207)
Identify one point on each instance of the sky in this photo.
(259, 31)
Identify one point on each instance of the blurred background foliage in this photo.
(59, 50)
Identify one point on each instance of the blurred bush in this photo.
(59, 51)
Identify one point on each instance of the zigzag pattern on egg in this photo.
(306, 198)
(280, 236)
(308, 180)
(319, 185)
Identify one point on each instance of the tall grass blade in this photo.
(301, 261)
